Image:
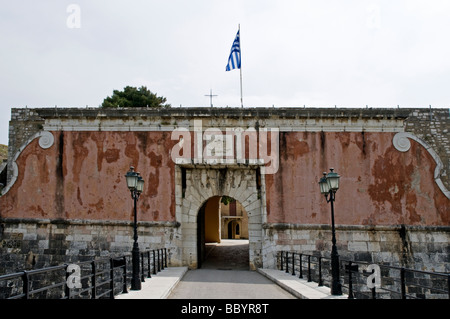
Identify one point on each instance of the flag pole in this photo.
(240, 69)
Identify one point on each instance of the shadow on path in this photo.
(230, 254)
(225, 274)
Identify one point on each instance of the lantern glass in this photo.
(140, 185)
(333, 180)
(324, 189)
(132, 178)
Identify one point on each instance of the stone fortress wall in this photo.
(65, 199)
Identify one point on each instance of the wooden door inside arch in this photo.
(230, 230)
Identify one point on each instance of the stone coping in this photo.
(89, 222)
(230, 112)
(300, 288)
(275, 226)
(286, 226)
(159, 286)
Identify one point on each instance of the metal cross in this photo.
(210, 96)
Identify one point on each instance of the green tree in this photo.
(226, 200)
(3, 152)
(134, 97)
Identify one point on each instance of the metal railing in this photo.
(99, 278)
(395, 282)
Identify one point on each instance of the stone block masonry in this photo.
(34, 244)
(433, 126)
(23, 125)
(422, 248)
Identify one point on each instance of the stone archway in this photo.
(196, 184)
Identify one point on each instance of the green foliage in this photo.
(3, 152)
(226, 200)
(134, 97)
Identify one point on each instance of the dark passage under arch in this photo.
(214, 252)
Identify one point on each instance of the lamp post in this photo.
(135, 184)
(329, 184)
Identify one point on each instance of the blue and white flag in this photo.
(234, 61)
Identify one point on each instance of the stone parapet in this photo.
(38, 243)
(417, 247)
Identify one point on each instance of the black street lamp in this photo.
(135, 184)
(329, 184)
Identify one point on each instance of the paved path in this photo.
(157, 287)
(230, 254)
(227, 284)
(225, 275)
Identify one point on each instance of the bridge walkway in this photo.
(225, 275)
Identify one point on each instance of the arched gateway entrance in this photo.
(219, 243)
(196, 185)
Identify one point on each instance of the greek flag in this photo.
(234, 61)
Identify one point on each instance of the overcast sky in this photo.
(349, 53)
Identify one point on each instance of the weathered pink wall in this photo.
(82, 177)
(379, 184)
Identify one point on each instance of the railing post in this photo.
(309, 268)
(67, 289)
(154, 262)
(159, 265)
(111, 278)
(350, 281)
(94, 280)
(281, 260)
(287, 262)
(142, 267)
(301, 267)
(149, 275)
(165, 257)
(448, 286)
(402, 281)
(26, 285)
(124, 288)
(320, 271)
(162, 259)
(293, 264)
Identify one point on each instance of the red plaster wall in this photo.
(82, 177)
(379, 184)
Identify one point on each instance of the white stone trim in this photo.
(202, 183)
(46, 140)
(284, 125)
(401, 143)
